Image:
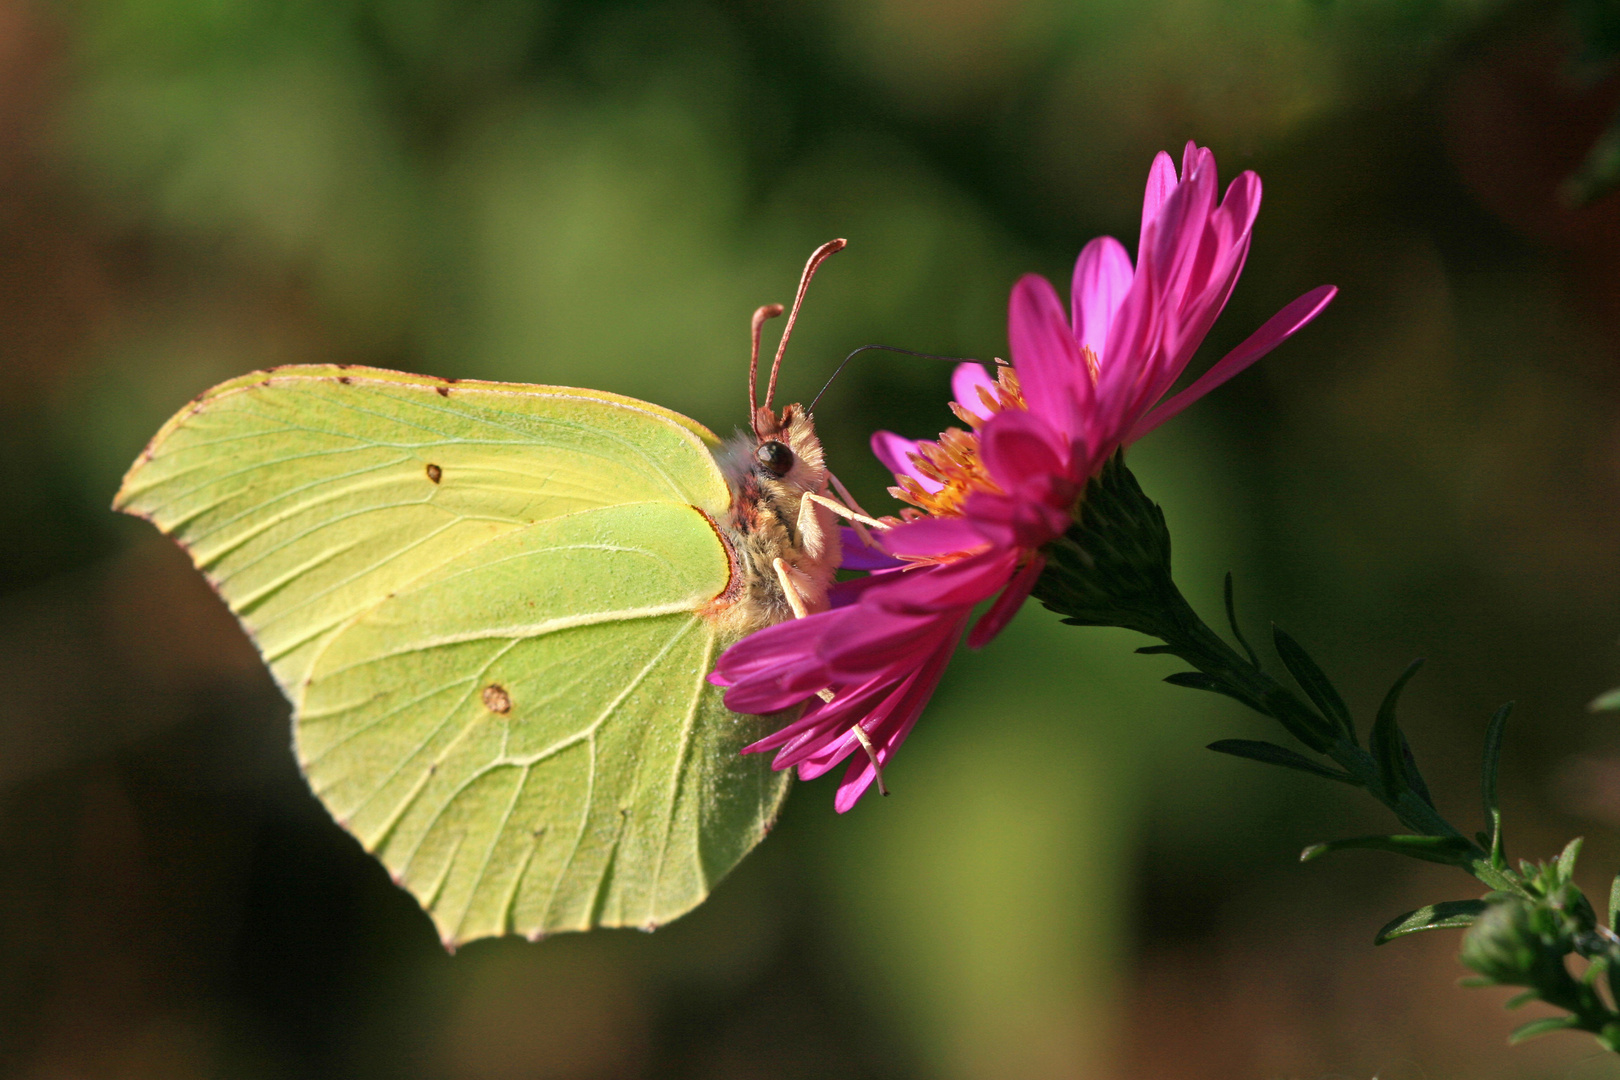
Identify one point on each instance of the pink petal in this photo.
(845, 593)
(1161, 182)
(880, 639)
(931, 589)
(1007, 604)
(858, 556)
(1132, 340)
(1192, 157)
(902, 713)
(1016, 444)
(1276, 330)
(1184, 334)
(1180, 232)
(1242, 201)
(769, 650)
(1102, 277)
(806, 730)
(775, 694)
(927, 537)
(895, 452)
(1026, 520)
(966, 382)
(1054, 379)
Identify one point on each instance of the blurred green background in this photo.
(599, 192)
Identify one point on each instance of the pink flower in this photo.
(985, 500)
(880, 654)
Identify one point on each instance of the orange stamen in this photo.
(953, 461)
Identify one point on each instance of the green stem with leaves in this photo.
(1112, 568)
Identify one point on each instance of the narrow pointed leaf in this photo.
(1449, 850)
(1519, 1001)
(1414, 778)
(1231, 620)
(1546, 1026)
(1494, 732)
(1614, 901)
(1197, 680)
(1313, 681)
(1155, 650)
(1385, 740)
(1494, 842)
(1604, 702)
(1448, 913)
(1567, 857)
(1272, 754)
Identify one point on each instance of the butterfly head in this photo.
(786, 459)
(786, 546)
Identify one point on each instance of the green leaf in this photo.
(1197, 680)
(490, 607)
(1614, 901)
(1311, 679)
(1519, 1001)
(1272, 754)
(1495, 730)
(1595, 969)
(1385, 740)
(1448, 913)
(1604, 702)
(1231, 620)
(1567, 857)
(1414, 778)
(1155, 650)
(1450, 850)
(1545, 1026)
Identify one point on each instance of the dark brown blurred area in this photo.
(1065, 884)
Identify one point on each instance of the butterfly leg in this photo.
(849, 500)
(871, 755)
(838, 508)
(790, 588)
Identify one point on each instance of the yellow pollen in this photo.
(953, 461)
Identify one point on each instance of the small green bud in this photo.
(1521, 943)
(1112, 568)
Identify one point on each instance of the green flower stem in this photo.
(1189, 637)
(1112, 568)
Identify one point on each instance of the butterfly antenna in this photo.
(766, 311)
(816, 259)
(887, 348)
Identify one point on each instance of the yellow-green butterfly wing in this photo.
(487, 603)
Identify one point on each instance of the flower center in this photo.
(953, 461)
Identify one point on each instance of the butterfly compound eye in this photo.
(775, 456)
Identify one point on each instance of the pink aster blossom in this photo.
(984, 500)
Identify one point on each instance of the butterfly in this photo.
(494, 608)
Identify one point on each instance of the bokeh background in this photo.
(599, 192)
